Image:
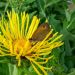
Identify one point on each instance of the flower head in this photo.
(14, 41)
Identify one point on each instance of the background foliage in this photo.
(61, 17)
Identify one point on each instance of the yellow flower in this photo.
(14, 41)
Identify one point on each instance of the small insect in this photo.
(41, 32)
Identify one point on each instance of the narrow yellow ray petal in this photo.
(41, 67)
(45, 60)
(54, 35)
(44, 53)
(43, 50)
(58, 37)
(23, 17)
(35, 27)
(27, 17)
(48, 68)
(14, 21)
(4, 41)
(36, 69)
(10, 47)
(3, 49)
(31, 27)
(2, 53)
(11, 26)
(18, 26)
(4, 31)
(19, 62)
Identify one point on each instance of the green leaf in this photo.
(4, 70)
(2, 4)
(72, 73)
(41, 7)
(13, 69)
(68, 15)
(73, 1)
(29, 1)
(51, 2)
(54, 22)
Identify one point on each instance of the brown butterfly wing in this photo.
(41, 32)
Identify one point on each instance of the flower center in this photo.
(21, 46)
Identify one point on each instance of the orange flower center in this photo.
(21, 46)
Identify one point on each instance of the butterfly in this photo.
(41, 32)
